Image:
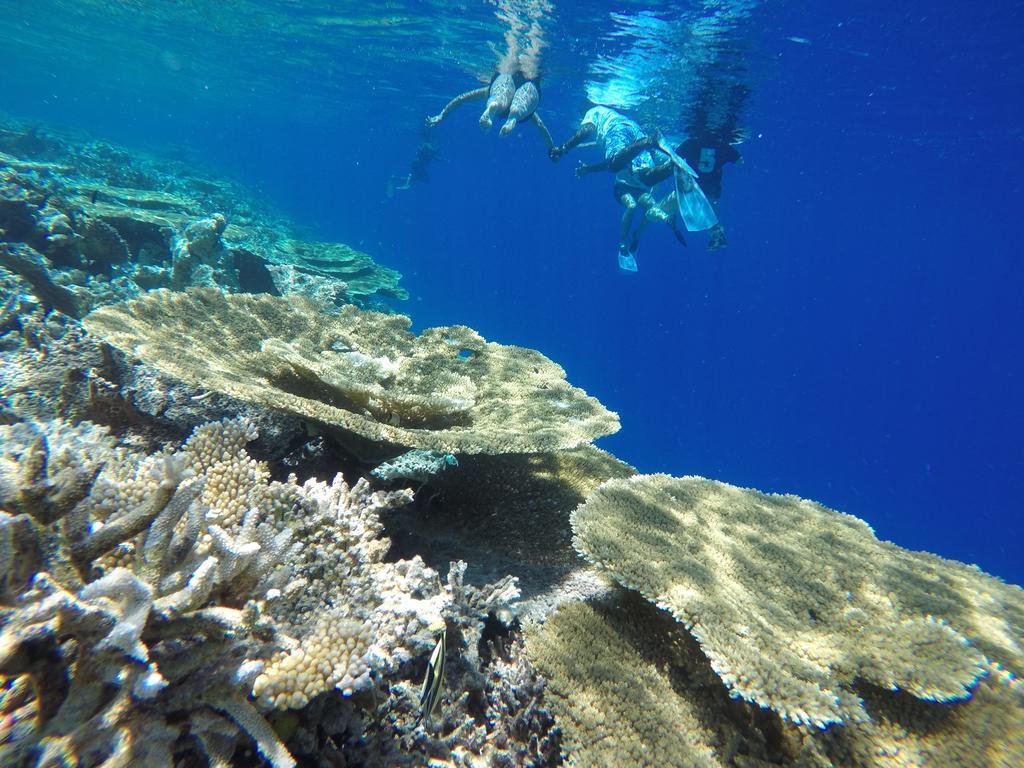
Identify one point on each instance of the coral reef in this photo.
(87, 224)
(334, 263)
(496, 504)
(418, 465)
(793, 602)
(51, 368)
(627, 690)
(146, 598)
(629, 686)
(359, 372)
(177, 586)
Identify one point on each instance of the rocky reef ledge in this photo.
(247, 529)
(87, 223)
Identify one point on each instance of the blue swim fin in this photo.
(694, 208)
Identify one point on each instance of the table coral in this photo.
(484, 509)
(360, 372)
(629, 686)
(615, 694)
(793, 602)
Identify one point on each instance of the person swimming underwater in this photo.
(511, 97)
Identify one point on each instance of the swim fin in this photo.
(627, 260)
(677, 161)
(694, 208)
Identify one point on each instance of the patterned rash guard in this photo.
(614, 132)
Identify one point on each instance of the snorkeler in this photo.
(628, 153)
(511, 97)
(417, 168)
(514, 91)
(706, 154)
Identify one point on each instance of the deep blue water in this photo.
(858, 342)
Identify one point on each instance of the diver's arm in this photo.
(462, 98)
(625, 156)
(585, 132)
(653, 176)
(544, 132)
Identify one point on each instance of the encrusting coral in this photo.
(145, 599)
(793, 603)
(360, 372)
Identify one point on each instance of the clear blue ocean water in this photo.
(858, 343)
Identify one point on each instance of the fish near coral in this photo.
(433, 681)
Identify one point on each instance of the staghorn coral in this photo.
(793, 602)
(507, 723)
(361, 372)
(492, 710)
(105, 658)
(144, 609)
(108, 658)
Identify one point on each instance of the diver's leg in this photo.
(652, 211)
(629, 205)
(717, 239)
(627, 261)
(634, 242)
(716, 235)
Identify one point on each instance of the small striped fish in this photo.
(433, 681)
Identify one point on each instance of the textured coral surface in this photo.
(446, 389)
(792, 602)
(87, 223)
(219, 553)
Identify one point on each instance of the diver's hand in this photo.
(432, 121)
(555, 153)
(581, 170)
(654, 138)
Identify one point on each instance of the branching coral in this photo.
(108, 653)
(149, 594)
(360, 372)
(793, 602)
